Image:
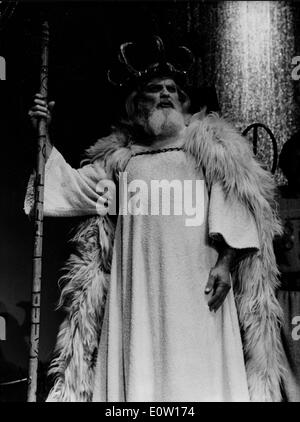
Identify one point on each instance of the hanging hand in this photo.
(219, 280)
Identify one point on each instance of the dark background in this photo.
(84, 41)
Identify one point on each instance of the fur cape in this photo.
(227, 158)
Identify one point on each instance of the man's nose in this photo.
(164, 92)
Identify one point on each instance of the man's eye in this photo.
(172, 89)
(153, 88)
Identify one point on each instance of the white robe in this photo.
(159, 341)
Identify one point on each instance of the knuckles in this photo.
(39, 108)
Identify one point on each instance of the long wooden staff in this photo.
(38, 226)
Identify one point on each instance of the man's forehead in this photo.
(161, 80)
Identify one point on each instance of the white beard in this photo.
(163, 123)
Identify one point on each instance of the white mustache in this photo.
(162, 103)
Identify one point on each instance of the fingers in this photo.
(40, 100)
(38, 95)
(210, 283)
(38, 112)
(40, 108)
(219, 291)
(219, 284)
(218, 297)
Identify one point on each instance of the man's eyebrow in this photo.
(153, 84)
(160, 84)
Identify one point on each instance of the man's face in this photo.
(158, 110)
(160, 93)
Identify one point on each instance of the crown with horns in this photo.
(137, 63)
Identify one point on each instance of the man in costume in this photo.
(151, 315)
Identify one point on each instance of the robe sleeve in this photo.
(231, 220)
(68, 192)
